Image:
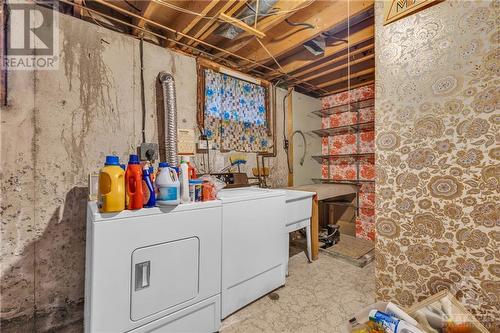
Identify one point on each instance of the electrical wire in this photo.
(286, 143)
(299, 24)
(270, 54)
(302, 159)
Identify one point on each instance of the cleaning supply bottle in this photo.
(111, 192)
(152, 174)
(133, 183)
(168, 186)
(191, 168)
(147, 188)
(184, 179)
(392, 324)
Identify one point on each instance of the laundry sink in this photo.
(298, 207)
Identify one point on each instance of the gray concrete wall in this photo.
(57, 128)
(305, 121)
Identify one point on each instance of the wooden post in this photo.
(315, 228)
(289, 125)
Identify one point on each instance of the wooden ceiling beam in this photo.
(347, 77)
(304, 58)
(361, 84)
(264, 24)
(208, 28)
(366, 49)
(242, 25)
(339, 68)
(186, 23)
(322, 14)
(147, 8)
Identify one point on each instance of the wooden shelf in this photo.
(320, 158)
(346, 204)
(353, 128)
(343, 181)
(349, 107)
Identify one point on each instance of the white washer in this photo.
(253, 238)
(154, 270)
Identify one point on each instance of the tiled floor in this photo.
(317, 297)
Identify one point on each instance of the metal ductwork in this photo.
(170, 112)
(248, 16)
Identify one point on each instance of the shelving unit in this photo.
(353, 128)
(349, 107)
(356, 128)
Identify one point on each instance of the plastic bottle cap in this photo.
(133, 159)
(112, 160)
(163, 165)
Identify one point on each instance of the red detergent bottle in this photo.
(133, 183)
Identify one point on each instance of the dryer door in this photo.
(163, 276)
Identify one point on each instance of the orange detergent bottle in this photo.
(133, 183)
(111, 192)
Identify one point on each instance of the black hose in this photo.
(300, 24)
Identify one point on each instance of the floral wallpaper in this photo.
(345, 168)
(235, 113)
(437, 152)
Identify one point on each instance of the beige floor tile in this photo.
(317, 297)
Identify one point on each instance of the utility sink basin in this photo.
(298, 207)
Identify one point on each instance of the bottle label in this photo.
(167, 193)
(389, 323)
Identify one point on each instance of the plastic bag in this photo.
(211, 186)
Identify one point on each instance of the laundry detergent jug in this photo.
(133, 183)
(168, 186)
(111, 191)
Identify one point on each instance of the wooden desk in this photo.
(323, 192)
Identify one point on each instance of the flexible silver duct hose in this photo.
(170, 111)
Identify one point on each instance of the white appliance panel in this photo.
(157, 269)
(252, 250)
(111, 242)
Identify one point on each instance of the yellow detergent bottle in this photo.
(111, 194)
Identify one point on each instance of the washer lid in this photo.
(247, 193)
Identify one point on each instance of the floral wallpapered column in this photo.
(437, 146)
(345, 168)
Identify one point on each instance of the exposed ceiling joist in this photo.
(341, 67)
(206, 30)
(186, 23)
(322, 14)
(242, 25)
(347, 77)
(265, 24)
(357, 85)
(304, 58)
(190, 25)
(308, 73)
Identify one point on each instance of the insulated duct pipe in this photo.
(170, 112)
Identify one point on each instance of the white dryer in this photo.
(253, 238)
(154, 270)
